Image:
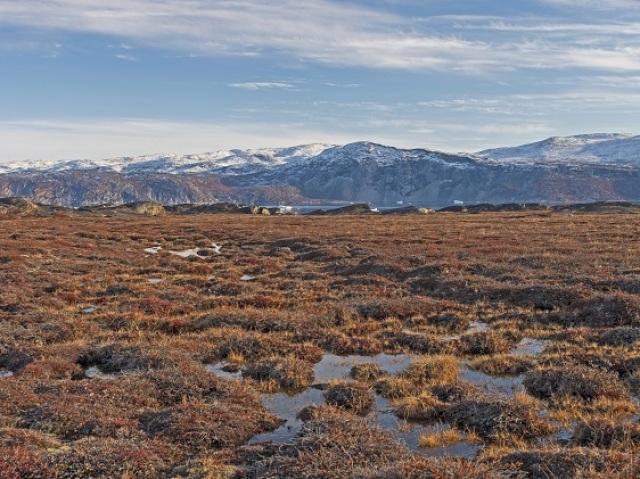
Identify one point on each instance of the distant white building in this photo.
(458, 202)
(286, 209)
(401, 202)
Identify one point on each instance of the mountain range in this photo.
(581, 168)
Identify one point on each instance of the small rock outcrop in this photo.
(409, 210)
(359, 209)
(18, 206)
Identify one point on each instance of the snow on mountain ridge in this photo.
(365, 151)
(598, 148)
(595, 148)
(217, 161)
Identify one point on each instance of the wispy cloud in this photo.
(263, 86)
(129, 58)
(332, 32)
(599, 4)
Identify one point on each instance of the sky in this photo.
(97, 79)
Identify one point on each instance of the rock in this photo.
(359, 209)
(19, 205)
(142, 208)
(409, 210)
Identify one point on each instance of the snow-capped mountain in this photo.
(599, 148)
(222, 162)
(570, 169)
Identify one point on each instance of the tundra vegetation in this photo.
(120, 358)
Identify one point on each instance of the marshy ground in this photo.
(449, 345)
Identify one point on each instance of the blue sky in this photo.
(95, 79)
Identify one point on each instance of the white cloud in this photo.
(129, 58)
(598, 4)
(327, 31)
(262, 85)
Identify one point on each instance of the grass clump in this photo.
(485, 342)
(432, 370)
(366, 372)
(350, 396)
(626, 337)
(333, 444)
(115, 358)
(440, 439)
(504, 365)
(574, 381)
(287, 373)
(424, 408)
(492, 419)
(573, 463)
(607, 434)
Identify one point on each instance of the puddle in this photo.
(246, 277)
(155, 280)
(5, 373)
(94, 373)
(529, 346)
(409, 434)
(216, 248)
(492, 384)
(222, 370)
(89, 310)
(333, 367)
(287, 408)
(153, 250)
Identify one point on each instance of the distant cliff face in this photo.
(359, 172)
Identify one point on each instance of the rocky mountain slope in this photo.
(582, 168)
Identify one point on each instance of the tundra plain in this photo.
(448, 345)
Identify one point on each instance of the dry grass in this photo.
(350, 396)
(575, 382)
(504, 364)
(76, 294)
(441, 439)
